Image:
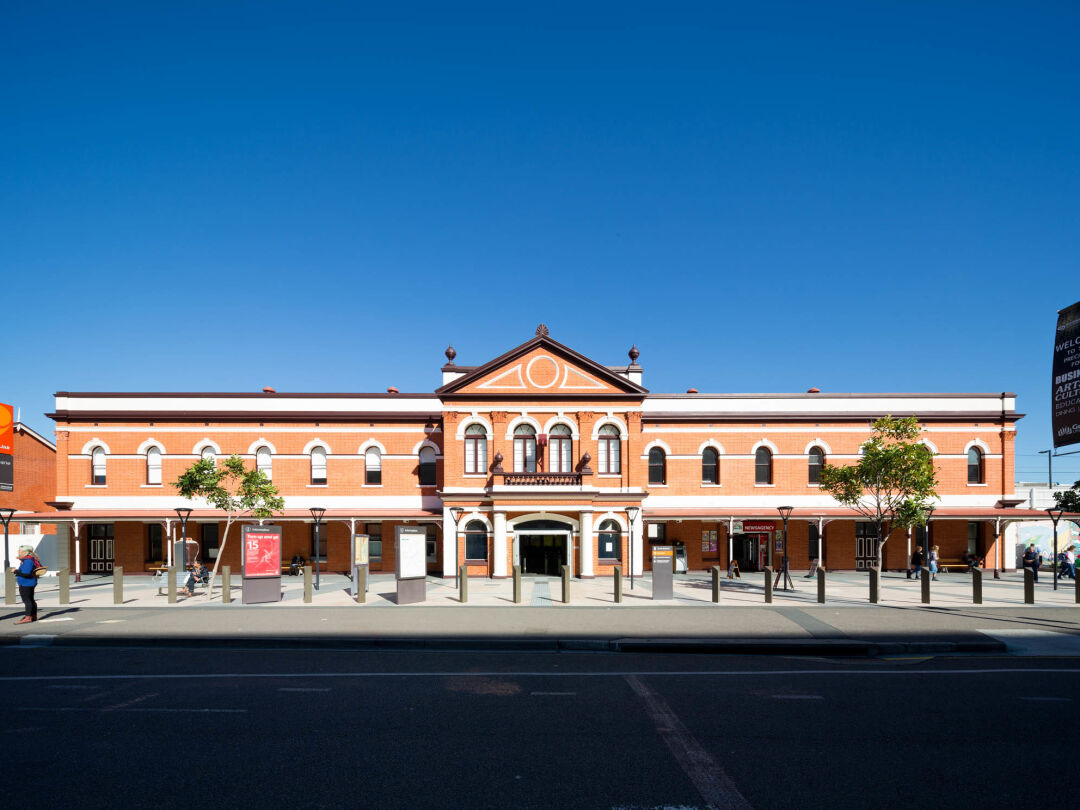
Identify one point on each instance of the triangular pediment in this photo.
(542, 367)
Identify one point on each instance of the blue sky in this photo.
(763, 197)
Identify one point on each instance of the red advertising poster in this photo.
(262, 551)
(7, 424)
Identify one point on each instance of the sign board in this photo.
(1065, 390)
(663, 567)
(411, 556)
(262, 551)
(360, 549)
(753, 526)
(7, 448)
(663, 553)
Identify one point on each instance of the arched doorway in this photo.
(542, 547)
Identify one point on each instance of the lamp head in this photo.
(183, 513)
(632, 512)
(455, 513)
(1055, 514)
(317, 512)
(785, 511)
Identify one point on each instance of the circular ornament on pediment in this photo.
(542, 371)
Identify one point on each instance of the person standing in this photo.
(932, 559)
(1033, 560)
(1070, 561)
(916, 562)
(24, 576)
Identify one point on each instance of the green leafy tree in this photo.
(1069, 500)
(893, 482)
(237, 491)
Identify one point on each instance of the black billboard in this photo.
(7, 478)
(1065, 410)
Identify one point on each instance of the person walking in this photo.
(932, 559)
(24, 576)
(1070, 561)
(916, 562)
(1033, 560)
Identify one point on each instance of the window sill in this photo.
(765, 485)
(150, 486)
(658, 486)
(978, 485)
(97, 486)
(609, 475)
(475, 475)
(371, 486)
(318, 486)
(711, 486)
(814, 486)
(609, 562)
(474, 562)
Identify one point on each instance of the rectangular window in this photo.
(153, 467)
(318, 468)
(427, 473)
(374, 533)
(525, 455)
(475, 455)
(476, 546)
(373, 468)
(609, 546)
(210, 541)
(657, 533)
(154, 549)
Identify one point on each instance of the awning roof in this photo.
(203, 514)
(837, 512)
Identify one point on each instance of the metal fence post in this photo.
(875, 586)
(1029, 587)
(821, 585)
(64, 575)
(307, 584)
(716, 583)
(617, 575)
(118, 585)
(566, 584)
(463, 581)
(226, 584)
(976, 586)
(768, 585)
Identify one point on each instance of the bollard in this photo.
(226, 584)
(1076, 587)
(64, 575)
(9, 587)
(463, 578)
(307, 584)
(117, 585)
(517, 584)
(566, 584)
(716, 584)
(361, 584)
(821, 586)
(875, 586)
(1029, 587)
(617, 574)
(768, 585)
(925, 586)
(172, 585)
(976, 586)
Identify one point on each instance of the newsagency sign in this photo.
(1066, 389)
(7, 443)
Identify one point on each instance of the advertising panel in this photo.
(7, 448)
(262, 551)
(1065, 389)
(410, 544)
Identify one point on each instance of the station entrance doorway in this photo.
(751, 551)
(542, 547)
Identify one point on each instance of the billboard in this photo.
(1065, 388)
(262, 551)
(7, 445)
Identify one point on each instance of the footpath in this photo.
(741, 622)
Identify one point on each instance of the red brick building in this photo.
(551, 457)
(34, 477)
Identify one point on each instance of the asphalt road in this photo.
(321, 728)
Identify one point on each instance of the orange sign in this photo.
(661, 552)
(7, 429)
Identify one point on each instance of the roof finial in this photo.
(634, 354)
(450, 355)
(541, 331)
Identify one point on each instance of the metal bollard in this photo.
(463, 579)
(172, 585)
(1029, 587)
(307, 584)
(768, 585)
(517, 584)
(925, 586)
(821, 586)
(226, 584)
(716, 584)
(566, 584)
(361, 584)
(9, 587)
(617, 574)
(976, 586)
(875, 586)
(117, 585)
(64, 575)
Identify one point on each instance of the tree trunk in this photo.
(217, 562)
(880, 546)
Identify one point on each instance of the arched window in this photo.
(318, 465)
(763, 466)
(427, 467)
(476, 541)
(97, 466)
(524, 449)
(207, 452)
(816, 462)
(263, 462)
(657, 466)
(609, 537)
(153, 466)
(975, 466)
(609, 450)
(710, 466)
(373, 467)
(475, 450)
(560, 445)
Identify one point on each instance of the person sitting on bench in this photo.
(296, 565)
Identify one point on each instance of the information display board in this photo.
(1065, 394)
(261, 563)
(411, 557)
(663, 568)
(360, 549)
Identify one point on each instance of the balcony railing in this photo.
(541, 479)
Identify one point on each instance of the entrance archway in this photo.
(542, 546)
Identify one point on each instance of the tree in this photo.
(892, 482)
(1069, 500)
(234, 489)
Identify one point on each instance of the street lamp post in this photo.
(455, 513)
(1055, 515)
(785, 513)
(5, 515)
(183, 513)
(317, 514)
(632, 513)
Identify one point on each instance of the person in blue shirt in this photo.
(24, 576)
